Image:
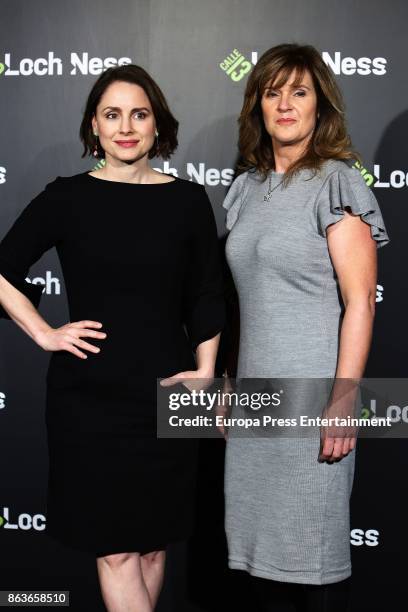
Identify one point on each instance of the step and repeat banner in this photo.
(201, 54)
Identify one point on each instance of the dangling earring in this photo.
(95, 151)
(156, 133)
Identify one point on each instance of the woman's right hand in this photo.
(68, 338)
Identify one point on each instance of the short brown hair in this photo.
(330, 139)
(167, 125)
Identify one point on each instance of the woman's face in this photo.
(124, 122)
(289, 113)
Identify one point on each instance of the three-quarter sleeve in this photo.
(204, 298)
(32, 234)
(347, 188)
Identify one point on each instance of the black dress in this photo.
(144, 261)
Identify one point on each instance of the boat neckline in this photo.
(100, 180)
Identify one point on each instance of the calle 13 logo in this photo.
(235, 65)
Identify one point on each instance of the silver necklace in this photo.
(267, 197)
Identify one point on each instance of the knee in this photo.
(117, 560)
(154, 558)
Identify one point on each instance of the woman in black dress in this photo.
(139, 254)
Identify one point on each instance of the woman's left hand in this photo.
(334, 448)
(337, 440)
(194, 380)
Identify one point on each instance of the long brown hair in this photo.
(330, 139)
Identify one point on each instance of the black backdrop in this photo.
(50, 54)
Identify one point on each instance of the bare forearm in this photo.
(355, 339)
(21, 310)
(206, 355)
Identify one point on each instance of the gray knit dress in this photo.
(287, 515)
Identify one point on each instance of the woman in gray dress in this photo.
(304, 231)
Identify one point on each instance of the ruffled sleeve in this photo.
(235, 199)
(34, 232)
(347, 188)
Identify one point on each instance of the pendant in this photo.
(267, 197)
